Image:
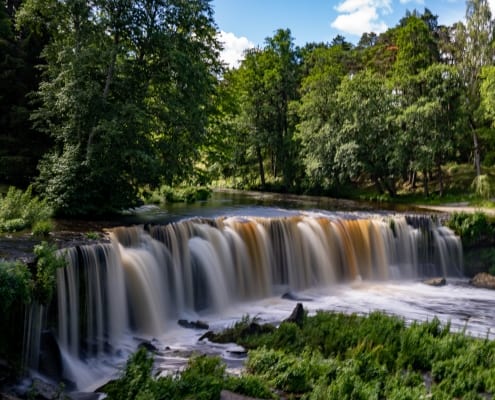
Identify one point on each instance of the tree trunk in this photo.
(477, 162)
(425, 183)
(414, 174)
(261, 167)
(390, 185)
(378, 184)
(440, 178)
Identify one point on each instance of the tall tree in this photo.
(431, 123)
(125, 96)
(326, 69)
(416, 46)
(364, 134)
(475, 43)
(267, 80)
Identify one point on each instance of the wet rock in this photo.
(297, 315)
(41, 390)
(483, 280)
(210, 335)
(232, 335)
(295, 297)
(148, 346)
(193, 324)
(435, 282)
(237, 351)
(50, 362)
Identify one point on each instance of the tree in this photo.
(431, 123)
(20, 145)
(326, 69)
(416, 47)
(125, 96)
(364, 134)
(267, 82)
(475, 43)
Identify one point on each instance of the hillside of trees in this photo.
(102, 99)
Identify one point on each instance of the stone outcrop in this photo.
(297, 315)
(483, 280)
(193, 324)
(435, 282)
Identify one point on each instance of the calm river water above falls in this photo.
(238, 254)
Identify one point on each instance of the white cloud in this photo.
(359, 16)
(233, 48)
(421, 2)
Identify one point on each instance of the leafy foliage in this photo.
(48, 261)
(16, 288)
(483, 186)
(365, 357)
(15, 285)
(20, 210)
(182, 194)
(472, 228)
(126, 94)
(203, 378)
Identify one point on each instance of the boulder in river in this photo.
(297, 315)
(193, 324)
(295, 297)
(483, 280)
(435, 282)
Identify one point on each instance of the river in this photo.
(236, 255)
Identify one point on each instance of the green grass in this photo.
(333, 356)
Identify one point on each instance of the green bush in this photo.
(15, 294)
(48, 261)
(135, 381)
(20, 210)
(42, 228)
(472, 228)
(180, 194)
(482, 186)
(15, 285)
(249, 385)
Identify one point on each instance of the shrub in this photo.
(249, 385)
(135, 380)
(42, 228)
(48, 261)
(20, 210)
(482, 186)
(15, 293)
(92, 235)
(15, 285)
(472, 228)
(181, 194)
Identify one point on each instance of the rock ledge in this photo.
(483, 280)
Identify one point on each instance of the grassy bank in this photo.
(331, 356)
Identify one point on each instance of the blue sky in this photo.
(246, 23)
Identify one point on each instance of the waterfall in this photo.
(146, 278)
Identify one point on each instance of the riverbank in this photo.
(450, 208)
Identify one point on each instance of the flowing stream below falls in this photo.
(239, 261)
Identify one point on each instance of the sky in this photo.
(246, 23)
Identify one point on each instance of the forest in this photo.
(103, 101)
